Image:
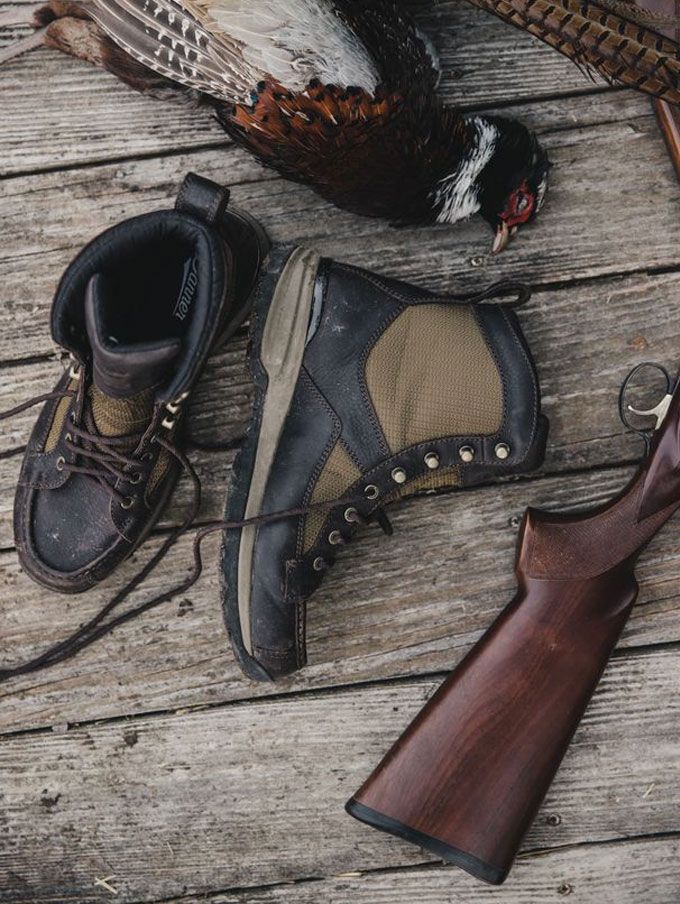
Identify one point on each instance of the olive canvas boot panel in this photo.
(367, 390)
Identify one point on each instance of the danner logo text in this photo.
(188, 290)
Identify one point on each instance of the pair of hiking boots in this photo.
(368, 390)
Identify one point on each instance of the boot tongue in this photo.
(124, 375)
(122, 370)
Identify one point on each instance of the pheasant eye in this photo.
(521, 203)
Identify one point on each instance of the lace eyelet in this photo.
(466, 453)
(371, 491)
(146, 456)
(68, 437)
(127, 503)
(61, 462)
(134, 479)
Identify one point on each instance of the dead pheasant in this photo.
(340, 94)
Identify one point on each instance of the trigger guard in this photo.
(652, 412)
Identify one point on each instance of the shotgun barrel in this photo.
(467, 777)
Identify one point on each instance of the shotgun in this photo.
(467, 777)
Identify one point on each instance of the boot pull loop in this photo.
(498, 291)
(202, 198)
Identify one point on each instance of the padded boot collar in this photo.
(109, 251)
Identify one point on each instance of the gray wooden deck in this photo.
(149, 762)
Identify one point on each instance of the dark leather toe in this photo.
(71, 526)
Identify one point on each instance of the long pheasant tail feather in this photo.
(622, 50)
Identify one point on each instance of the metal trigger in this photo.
(659, 411)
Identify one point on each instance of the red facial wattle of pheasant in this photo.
(340, 94)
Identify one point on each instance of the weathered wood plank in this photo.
(409, 605)
(611, 873)
(243, 796)
(75, 114)
(46, 219)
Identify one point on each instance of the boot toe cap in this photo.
(69, 536)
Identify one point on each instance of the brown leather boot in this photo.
(138, 311)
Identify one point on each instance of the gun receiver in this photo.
(467, 777)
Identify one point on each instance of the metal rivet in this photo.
(432, 460)
(467, 453)
(351, 515)
(319, 564)
(371, 491)
(502, 450)
(335, 538)
(399, 475)
(127, 503)
(61, 461)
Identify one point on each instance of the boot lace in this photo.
(103, 458)
(107, 464)
(106, 460)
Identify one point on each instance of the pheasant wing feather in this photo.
(405, 55)
(225, 47)
(176, 40)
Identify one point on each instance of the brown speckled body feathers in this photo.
(374, 155)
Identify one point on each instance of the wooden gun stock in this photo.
(467, 777)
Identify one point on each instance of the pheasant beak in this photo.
(501, 238)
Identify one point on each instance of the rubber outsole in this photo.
(279, 329)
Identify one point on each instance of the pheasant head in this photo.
(503, 175)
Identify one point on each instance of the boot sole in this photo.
(281, 318)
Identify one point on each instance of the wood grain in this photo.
(398, 606)
(610, 873)
(46, 219)
(241, 793)
(249, 795)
